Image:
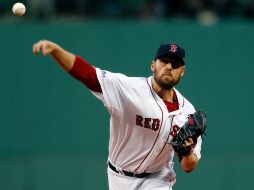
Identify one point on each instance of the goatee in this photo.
(166, 85)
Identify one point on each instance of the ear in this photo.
(182, 71)
(153, 66)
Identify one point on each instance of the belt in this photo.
(130, 174)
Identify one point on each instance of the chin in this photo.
(166, 86)
(167, 81)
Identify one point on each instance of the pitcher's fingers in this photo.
(46, 49)
(188, 142)
(36, 48)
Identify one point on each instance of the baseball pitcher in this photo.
(150, 120)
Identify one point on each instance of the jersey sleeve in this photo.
(114, 87)
(108, 87)
(85, 73)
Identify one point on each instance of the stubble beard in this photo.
(166, 84)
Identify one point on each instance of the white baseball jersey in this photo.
(141, 127)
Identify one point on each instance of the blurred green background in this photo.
(54, 132)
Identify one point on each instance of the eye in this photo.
(175, 63)
(165, 60)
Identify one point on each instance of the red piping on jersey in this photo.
(167, 138)
(158, 132)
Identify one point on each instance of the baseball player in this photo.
(150, 120)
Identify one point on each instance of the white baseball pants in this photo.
(156, 181)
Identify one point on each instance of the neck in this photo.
(165, 94)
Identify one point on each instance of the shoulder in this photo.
(188, 106)
(120, 78)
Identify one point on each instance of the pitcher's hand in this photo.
(44, 46)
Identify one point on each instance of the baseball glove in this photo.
(193, 128)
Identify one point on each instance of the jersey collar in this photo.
(180, 98)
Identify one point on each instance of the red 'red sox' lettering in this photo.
(139, 120)
(174, 130)
(149, 123)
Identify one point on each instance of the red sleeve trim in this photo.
(85, 73)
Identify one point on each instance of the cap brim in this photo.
(173, 55)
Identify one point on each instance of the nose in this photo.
(169, 66)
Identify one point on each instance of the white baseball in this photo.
(19, 9)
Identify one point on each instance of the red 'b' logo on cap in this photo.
(173, 48)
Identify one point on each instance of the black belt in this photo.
(130, 174)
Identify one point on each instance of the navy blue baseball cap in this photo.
(171, 50)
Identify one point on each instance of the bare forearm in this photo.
(64, 58)
(188, 163)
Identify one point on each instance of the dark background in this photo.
(54, 132)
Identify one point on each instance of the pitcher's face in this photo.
(167, 72)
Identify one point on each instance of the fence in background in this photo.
(54, 132)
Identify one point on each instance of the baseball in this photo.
(19, 9)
